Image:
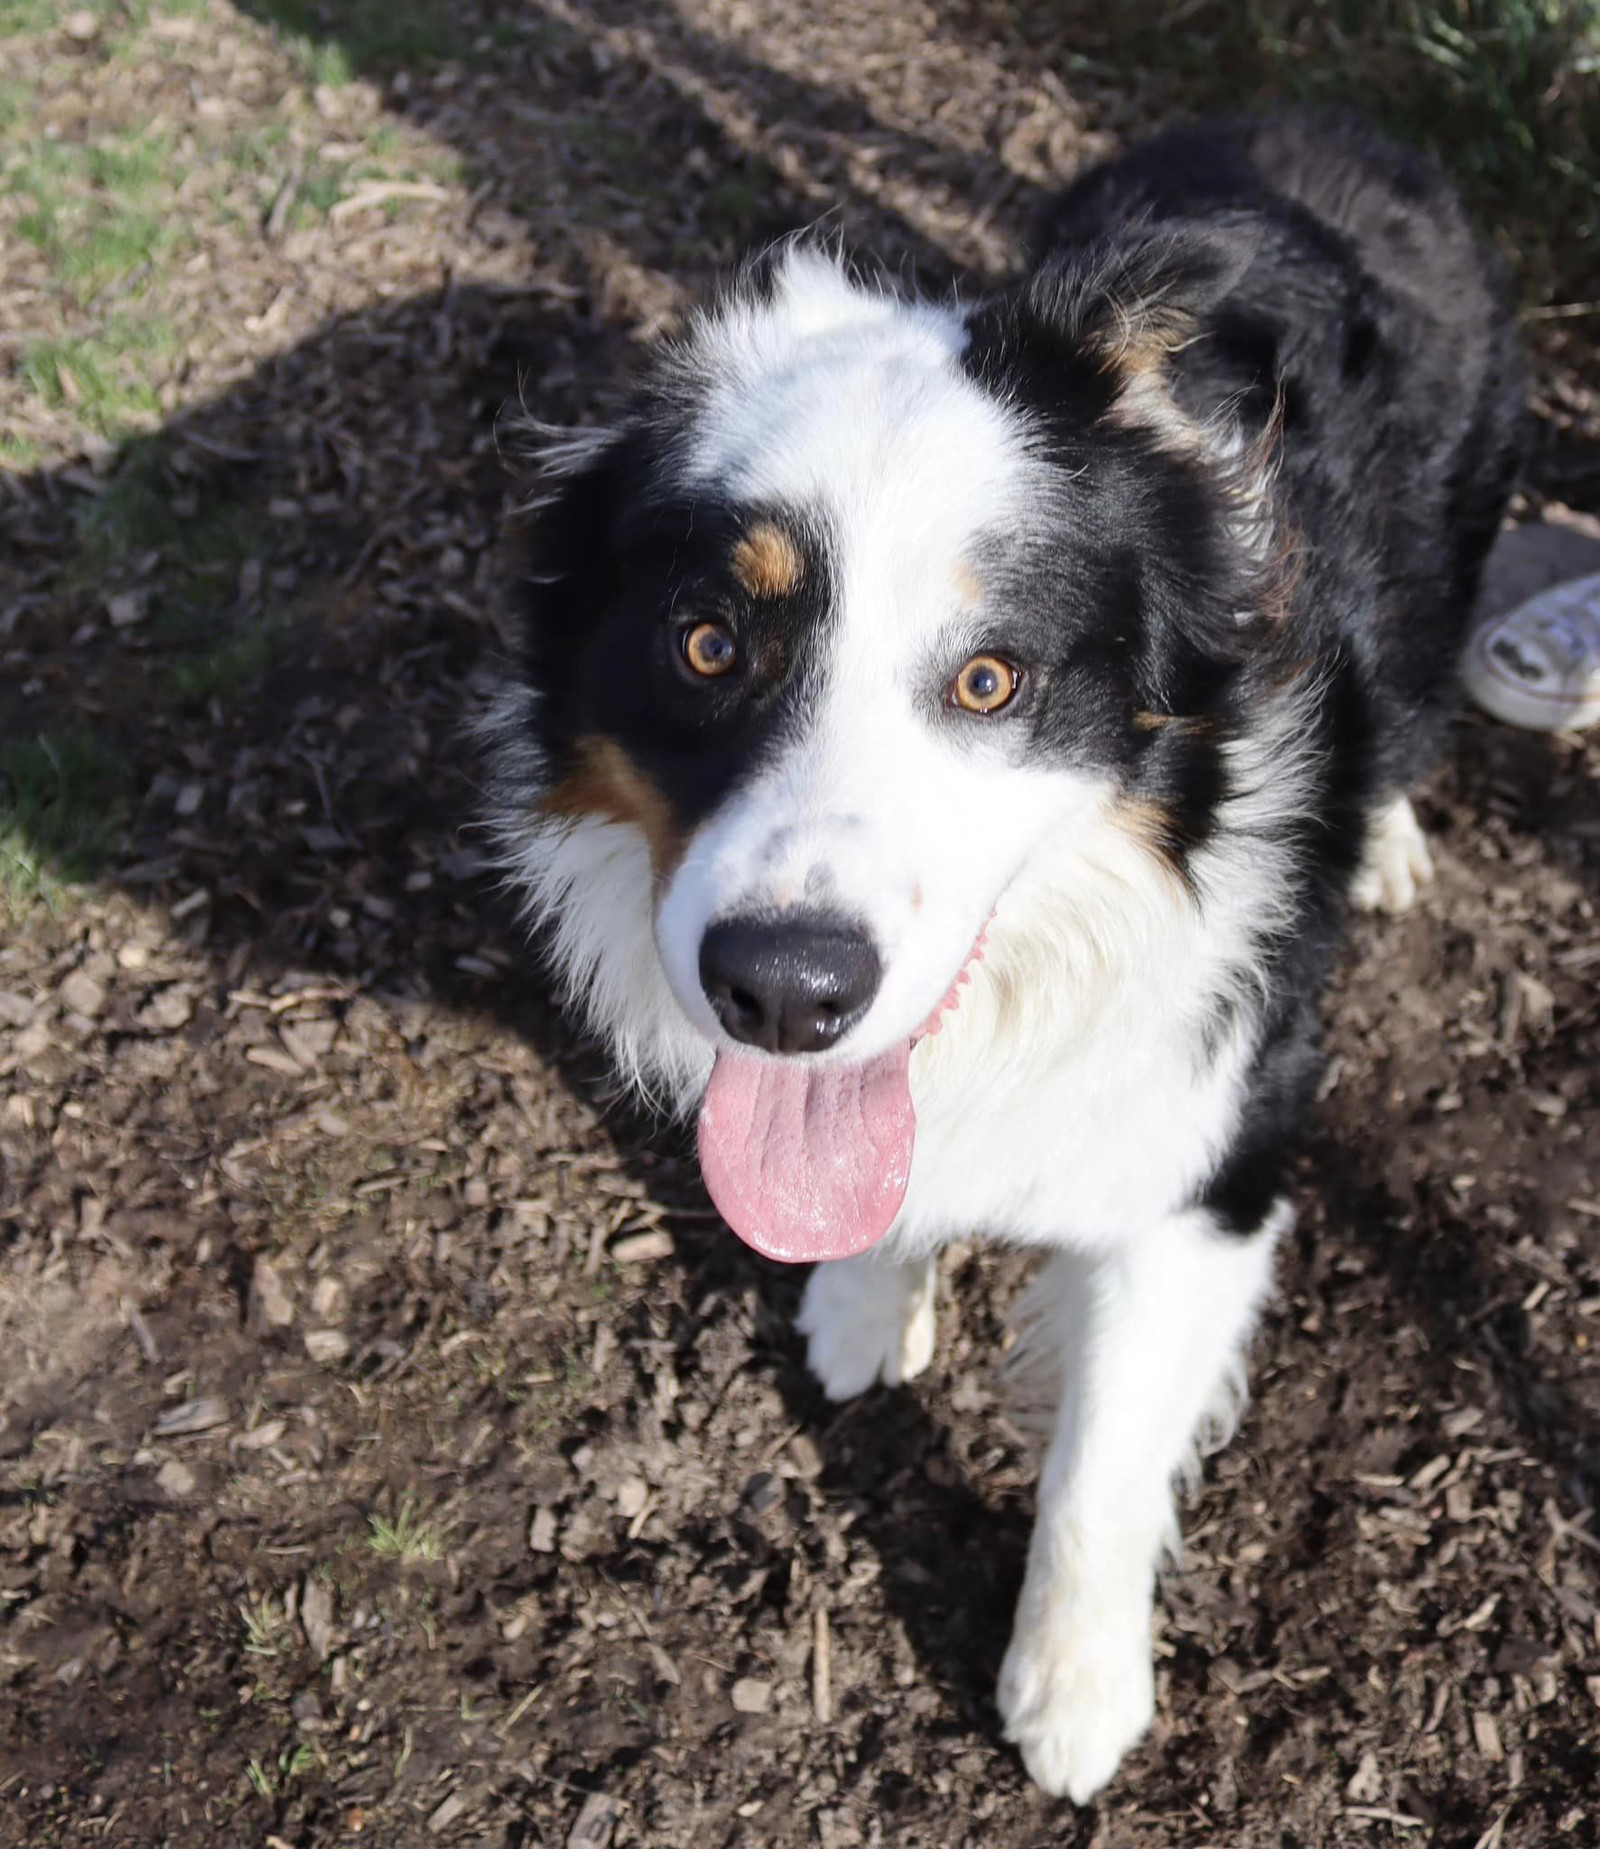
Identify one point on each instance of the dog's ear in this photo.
(582, 485)
(1097, 323)
(1090, 338)
(1136, 298)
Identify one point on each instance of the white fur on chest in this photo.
(1121, 1131)
(1075, 1098)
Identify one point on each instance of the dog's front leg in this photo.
(1149, 1340)
(868, 1319)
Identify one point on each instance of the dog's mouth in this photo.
(809, 1162)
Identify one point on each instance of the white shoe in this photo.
(1538, 666)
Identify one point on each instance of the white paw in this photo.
(1077, 1689)
(867, 1319)
(1396, 861)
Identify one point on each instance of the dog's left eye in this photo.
(985, 685)
(708, 648)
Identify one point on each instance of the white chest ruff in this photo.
(1085, 1149)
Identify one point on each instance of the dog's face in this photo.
(864, 602)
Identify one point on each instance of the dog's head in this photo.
(862, 607)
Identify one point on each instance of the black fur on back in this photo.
(1372, 308)
(1325, 291)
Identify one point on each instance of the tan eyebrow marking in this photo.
(767, 562)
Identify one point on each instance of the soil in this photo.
(394, 1448)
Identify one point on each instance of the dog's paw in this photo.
(866, 1320)
(1077, 1691)
(1396, 861)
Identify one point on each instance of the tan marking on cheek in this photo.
(606, 783)
(1154, 827)
(767, 562)
(916, 896)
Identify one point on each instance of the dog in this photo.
(946, 740)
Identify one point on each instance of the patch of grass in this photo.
(98, 212)
(333, 42)
(322, 60)
(132, 513)
(17, 16)
(257, 150)
(123, 243)
(64, 798)
(577, 1380)
(229, 666)
(266, 1630)
(18, 455)
(205, 542)
(732, 205)
(263, 158)
(99, 377)
(15, 99)
(269, 1779)
(1506, 92)
(407, 1535)
(130, 164)
(116, 17)
(320, 191)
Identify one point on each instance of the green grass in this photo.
(99, 376)
(262, 156)
(335, 39)
(17, 16)
(1506, 92)
(321, 189)
(100, 215)
(210, 650)
(116, 17)
(266, 1630)
(268, 1780)
(258, 150)
(323, 61)
(732, 206)
(14, 101)
(97, 211)
(64, 799)
(18, 455)
(208, 536)
(228, 666)
(408, 1535)
(133, 513)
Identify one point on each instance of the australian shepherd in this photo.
(947, 737)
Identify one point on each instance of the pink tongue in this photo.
(808, 1162)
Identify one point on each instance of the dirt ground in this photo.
(394, 1449)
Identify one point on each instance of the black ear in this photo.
(1145, 289)
(582, 490)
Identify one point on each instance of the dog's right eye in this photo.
(985, 684)
(709, 650)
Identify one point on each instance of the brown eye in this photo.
(985, 684)
(708, 649)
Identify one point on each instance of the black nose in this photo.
(792, 985)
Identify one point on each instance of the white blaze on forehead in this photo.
(848, 405)
(842, 401)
